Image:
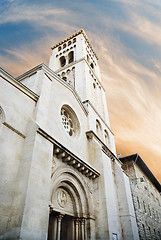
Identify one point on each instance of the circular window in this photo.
(69, 120)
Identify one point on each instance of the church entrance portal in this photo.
(65, 227)
(71, 208)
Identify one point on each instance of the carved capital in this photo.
(77, 220)
(59, 217)
(82, 221)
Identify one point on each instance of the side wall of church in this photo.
(12, 137)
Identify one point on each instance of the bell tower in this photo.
(75, 61)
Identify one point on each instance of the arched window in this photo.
(69, 43)
(146, 190)
(59, 48)
(92, 65)
(155, 236)
(69, 120)
(144, 206)
(64, 45)
(149, 232)
(138, 202)
(149, 210)
(153, 212)
(2, 117)
(152, 196)
(107, 138)
(98, 128)
(157, 201)
(71, 57)
(62, 61)
(64, 78)
(144, 231)
(74, 40)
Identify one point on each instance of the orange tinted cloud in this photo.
(134, 106)
(132, 89)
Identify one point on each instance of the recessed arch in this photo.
(77, 189)
(71, 186)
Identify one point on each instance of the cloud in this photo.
(134, 104)
(142, 27)
(33, 13)
(132, 89)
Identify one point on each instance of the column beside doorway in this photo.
(58, 227)
(59, 219)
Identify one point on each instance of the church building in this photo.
(60, 177)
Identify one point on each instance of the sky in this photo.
(125, 34)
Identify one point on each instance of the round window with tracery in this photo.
(69, 120)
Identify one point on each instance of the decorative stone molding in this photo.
(69, 158)
(62, 198)
(75, 162)
(14, 130)
(105, 149)
(81, 31)
(53, 166)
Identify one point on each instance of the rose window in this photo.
(69, 120)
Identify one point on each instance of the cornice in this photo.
(17, 84)
(90, 135)
(14, 130)
(81, 31)
(69, 158)
(137, 160)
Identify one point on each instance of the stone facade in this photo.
(59, 174)
(146, 197)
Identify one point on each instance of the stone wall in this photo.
(147, 202)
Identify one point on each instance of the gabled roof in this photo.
(141, 164)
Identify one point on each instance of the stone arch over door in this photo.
(71, 207)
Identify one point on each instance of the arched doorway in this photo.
(61, 226)
(71, 207)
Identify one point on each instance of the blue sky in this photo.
(126, 36)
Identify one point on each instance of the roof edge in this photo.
(142, 165)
